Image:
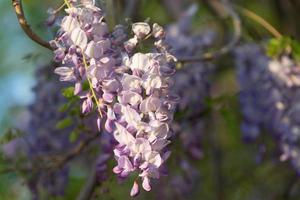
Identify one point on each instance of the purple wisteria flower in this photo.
(130, 90)
(142, 117)
(269, 99)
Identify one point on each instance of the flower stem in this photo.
(91, 85)
(68, 3)
(228, 8)
(60, 7)
(260, 20)
(17, 4)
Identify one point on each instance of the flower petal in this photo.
(79, 38)
(134, 190)
(141, 29)
(122, 135)
(146, 184)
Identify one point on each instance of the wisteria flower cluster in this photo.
(46, 139)
(43, 139)
(131, 91)
(269, 99)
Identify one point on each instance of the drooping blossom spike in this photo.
(270, 89)
(42, 138)
(130, 90)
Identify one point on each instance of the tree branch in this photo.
(52, 162)
(17, 4)
(260, 20)
(76, 151)
(228, 47)
(87, 192)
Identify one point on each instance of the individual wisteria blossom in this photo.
(129, 89)
(269, 99)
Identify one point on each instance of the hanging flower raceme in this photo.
(45, 139)
(269, 99)
(130, 90)
(144, 109)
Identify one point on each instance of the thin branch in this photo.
(76, 151)
(17, 4)
(68, 3)
(260, 20)
(227, 48)
(87, 192)
(56, 162)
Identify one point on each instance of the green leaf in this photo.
(68, 92)
(277, 46)
(284, 45)
(10, 135)
(85, 86)
(74, 135)
(64, 123)
(296, 49)
(64, 107)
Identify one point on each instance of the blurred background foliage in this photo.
(229, 169)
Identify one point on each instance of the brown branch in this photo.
(87, 192)
(228, 47)
(13, 169)
(260, 20)
(17, 4)
(54, 162)
(76, 151)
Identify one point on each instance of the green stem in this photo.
(91, 85)
(68, 3)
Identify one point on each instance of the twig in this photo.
(13, 169)
(260, 21)
(87, 192)
(91, 86)
(227, 48)
(76, 151)
(55, 161)
(17, 4)
(68, 3)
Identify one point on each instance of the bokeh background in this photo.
(229, 169)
